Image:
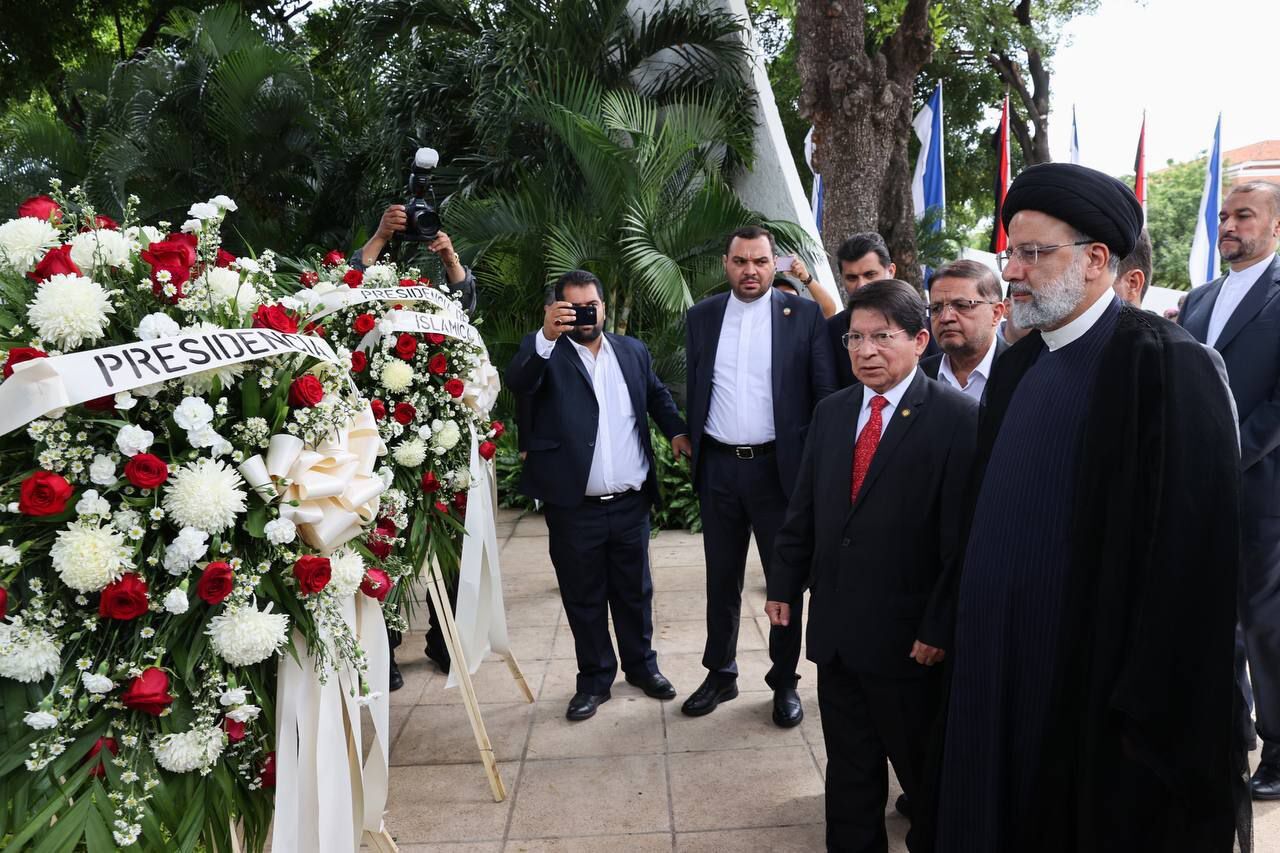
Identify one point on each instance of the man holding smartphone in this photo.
(591, 463)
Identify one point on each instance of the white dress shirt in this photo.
(618, 463)
(1232, 293)
(741, 409)
(1073, 331)
(977, 377)
(894, 395)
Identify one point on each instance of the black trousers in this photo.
(601, 555)
(866, 719)
(738, 497)
(1260, 624)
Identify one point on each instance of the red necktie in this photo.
(865, 448)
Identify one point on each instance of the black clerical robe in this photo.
(1137, 752)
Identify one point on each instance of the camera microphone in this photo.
(426, 158)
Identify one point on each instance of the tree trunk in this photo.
(860, 107)
(1029, 108)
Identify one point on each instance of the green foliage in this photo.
(680, 510)
(1173, 202)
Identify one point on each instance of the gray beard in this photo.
(1052, 303)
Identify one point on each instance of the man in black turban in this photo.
(1090, 705)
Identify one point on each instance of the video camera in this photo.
(423, 215)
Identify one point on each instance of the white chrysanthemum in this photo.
(194, 749)
(193, 413)
(280, 531)
(346, 569)
(447, 436)
(243, 636)
(70, 310)
(411, 453)
(27, 654)
(175, 602)
(24, 241)
(132, 440)
(202, 382)
(206, 495)
(226, 287)
(381, 275)
(396, 375)
(93, 250)
(40, 720)
(95, 683)
(157, 325)
(88, 557)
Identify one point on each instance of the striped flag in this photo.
(1140, 168)
(1075, 137)
(1205, 261)
(1000, 240)
(928, 185)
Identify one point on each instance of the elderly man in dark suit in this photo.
(1239, 316)
(758, 362)
(965, 309)
(872, 527)
(590, 461)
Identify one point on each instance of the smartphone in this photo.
(584, 315)
(784, 263)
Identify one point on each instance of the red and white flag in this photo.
(1140, 168)
(1001, 239)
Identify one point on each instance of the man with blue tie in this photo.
(591, 463)
(1239, 316)
(758, 361)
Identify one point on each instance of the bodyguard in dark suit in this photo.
(862, 259)
(591, 463)
(758, 362)
(965, 310)
(1239, 316)
(873, 524)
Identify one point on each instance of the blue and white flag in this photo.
(1075, 138)
(815, 200)
(1205, 261)
(928, 186)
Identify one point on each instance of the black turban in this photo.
(1093, 203)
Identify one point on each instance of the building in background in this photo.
(1257, 162)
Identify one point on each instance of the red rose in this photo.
(56, 261)
(422, 279)
(224, 258)
(376, 584)
(41, 207)
(454, 387)
(438, 364)
(275, 317)
(44, 493)
(387, 527)
(148, 692)
(216, 583)
(378, 546)
(306, 391)
(359, 361)
(17, 355)
(312, 573)
(460, 502)
(314, 329)
(487, 449)
(353, 278)
(379, 409)
(107, 743)
(101, 404)
(364, 324)
(404, 413)
(124, 599)
(310, 278)
(268, 770)
(498, 428)
(435, 338)
(442, 507)
(333, 258)
(105, 223)
(146, 471)
(429, 482)
(177, 251)
(4, 602)
(178, 277)
(406, 346)
(408, 282)
(234, 729)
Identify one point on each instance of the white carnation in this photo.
(9, 555)
(280, 531)
(396, 375)
(175, 602)
(233, 696)
(96, 684)
(153, 235)
(132, 440)
(70, 310)
(223, 202)
(27, 654)
(447, 436)
(381, 275)
(193, 413)
(249, 265)
(243, 636)
(387, 476)
(92, 250)
(192, 226)
(91, 503)
(244, 713)
(194, 749)
(203, 210)
(124, 401)
(183, 552)
(24, 241)
(411, 453)
(40, 720)
(157, 325)
(346, 569)
(88, 557)
(225, 287)
(206, 495)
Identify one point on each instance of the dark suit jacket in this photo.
(876, 567)
(1250, 347)
(931, 364)
(837, 326)
(563, 415)
(801, 364)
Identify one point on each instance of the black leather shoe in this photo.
(1265, 784)
(654, 685)
(396, 681)
(902, 806)
(709, 694)
(440, 657)
(787, 710)
(583, 705)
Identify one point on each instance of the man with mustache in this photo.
(1091, 695)
(758, 361)
(1239, 316)
(965, 309)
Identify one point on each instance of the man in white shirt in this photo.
(590, 461)
(965, 310)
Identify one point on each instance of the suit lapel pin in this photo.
(786, 312)
(906, 413)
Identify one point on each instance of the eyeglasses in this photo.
(1028, 255)
(961, 306)
(853, 340)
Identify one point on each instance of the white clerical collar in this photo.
(753, 305)
(983, 369)
(1059, 338)
(894, 395)
(1251, 273)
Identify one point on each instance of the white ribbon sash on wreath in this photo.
(44, 385)
(480, 614)
(418, 323)
(322, 305)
